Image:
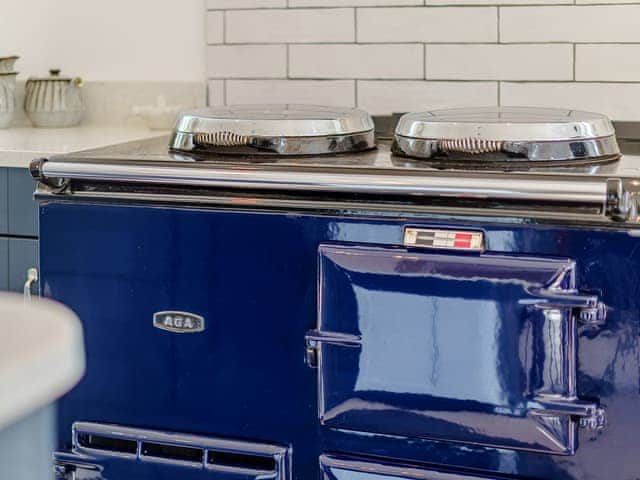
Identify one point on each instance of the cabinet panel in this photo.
(4, 264)
(4, 195)
(23, 254)
(22, 209)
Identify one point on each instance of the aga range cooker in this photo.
(268, 294)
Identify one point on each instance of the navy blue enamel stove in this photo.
(464, 307)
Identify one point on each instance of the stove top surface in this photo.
(381, 160)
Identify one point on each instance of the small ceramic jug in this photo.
(7, 63)
(7, 98)
(54, 101)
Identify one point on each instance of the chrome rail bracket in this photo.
(619, 201)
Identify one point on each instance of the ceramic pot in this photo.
(7, 63)
(7, 98)
(54, 101)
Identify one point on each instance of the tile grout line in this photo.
(424, 61)
(355, 25)
(288, 59)
(420, 42)
(224, 27)
(432, 80)
(224, 91)
(533, 3)
(498, 26)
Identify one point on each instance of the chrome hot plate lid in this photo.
(494, 135)
(273, 130)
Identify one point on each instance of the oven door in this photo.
(337, 467)
(479, 349)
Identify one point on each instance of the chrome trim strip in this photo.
(316, 207)
(535, 189)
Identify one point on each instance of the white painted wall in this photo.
(116, 40)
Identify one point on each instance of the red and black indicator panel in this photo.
(445, 239)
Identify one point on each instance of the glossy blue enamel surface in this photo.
(254, 278)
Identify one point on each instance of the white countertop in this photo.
(41, 354)
(18, 146)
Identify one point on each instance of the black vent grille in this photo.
(224, 455)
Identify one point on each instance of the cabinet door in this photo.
(4, 264)
(4, 196)
(23, 210)
(23, 255)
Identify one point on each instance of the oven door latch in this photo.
(315, 338)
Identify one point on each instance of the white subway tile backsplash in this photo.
(424, 24)
(215, 90)
(620, 101)
(247, 61)
(231, 4)
(215, 27)
(356, 61)
(353, 3)
(333, 25)
(319, 92)
(609, 62)
(385, 97)
(578, 23)
(398, 55)
(499, 62)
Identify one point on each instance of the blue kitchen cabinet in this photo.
(4, 264)
(23, 255)
(18, 228)
(22, 209)
(4, 202)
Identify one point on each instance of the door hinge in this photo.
(596, 421)
(594, 315)
(589, 415)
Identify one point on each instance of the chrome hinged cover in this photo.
(274, 129)
(512, 134)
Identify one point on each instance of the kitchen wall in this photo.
(129, 52)
(397, 55)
